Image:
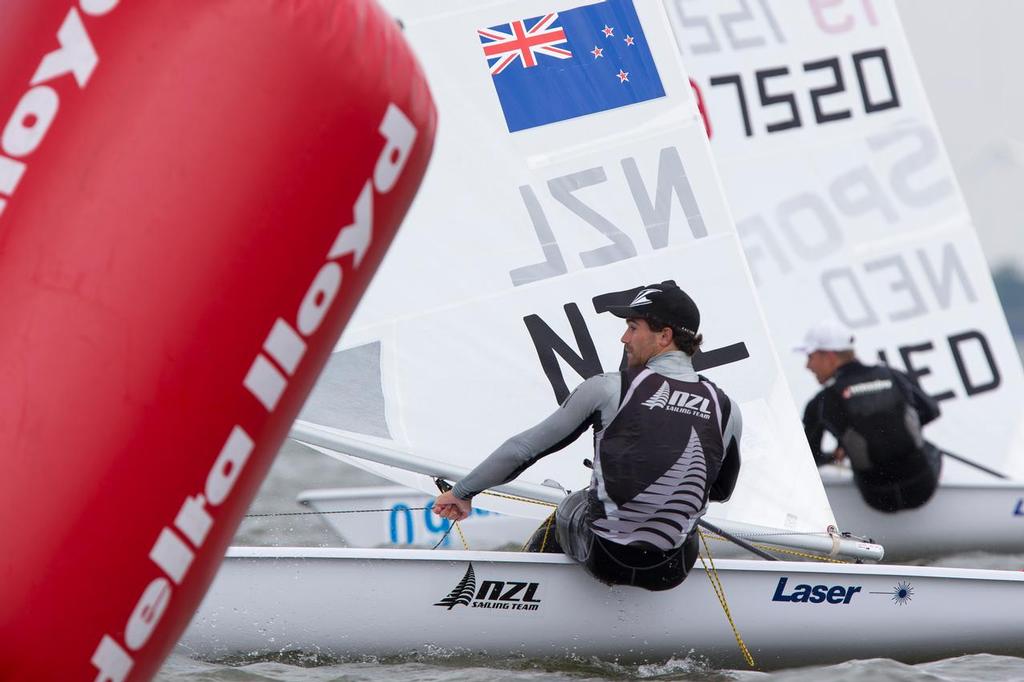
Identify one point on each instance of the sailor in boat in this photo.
(876, 414)
(666, 441)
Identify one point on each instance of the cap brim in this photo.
(623, 311)
(807, 350)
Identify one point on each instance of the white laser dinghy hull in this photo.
(961, 517)
(358, 603)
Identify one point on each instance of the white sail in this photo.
(485, 312)
(847, 206)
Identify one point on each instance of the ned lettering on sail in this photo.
(666, 441)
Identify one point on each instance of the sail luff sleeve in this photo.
(725, 483)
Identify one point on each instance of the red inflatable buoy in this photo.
(193, 197)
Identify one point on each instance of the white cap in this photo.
(826, 335)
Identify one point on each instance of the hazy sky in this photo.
(969, 54)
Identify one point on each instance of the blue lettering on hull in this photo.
(400, 511)
(401, 523)
(815, 594)
(1019, 509)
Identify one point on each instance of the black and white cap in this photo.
(664, 302)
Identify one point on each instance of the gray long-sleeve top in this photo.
(594, 402)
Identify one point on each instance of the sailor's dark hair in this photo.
(685, 340)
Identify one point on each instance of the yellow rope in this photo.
(444, 487)
(458, 529)
(547, 526)
(712, 573)
(716, 585)
(547, 531)
(544, 540)
(519, 499)
(783, 550)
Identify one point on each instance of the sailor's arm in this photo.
(560, 428)
(814, 429)
(927, 407)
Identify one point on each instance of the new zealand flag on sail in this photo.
(567, 64)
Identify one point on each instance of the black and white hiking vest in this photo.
(655, 461)
(872, 412)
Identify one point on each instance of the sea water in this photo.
(272, 522)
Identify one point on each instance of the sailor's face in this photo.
(822, 364)
(641, 343)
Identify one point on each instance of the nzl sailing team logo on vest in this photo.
(679, 401)
(511, 595)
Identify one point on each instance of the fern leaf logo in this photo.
(641, 298)
(660, 397)
(463, 592)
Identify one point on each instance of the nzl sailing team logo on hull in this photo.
(510, 595)
(570, 63)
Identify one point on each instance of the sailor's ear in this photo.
(665, 336)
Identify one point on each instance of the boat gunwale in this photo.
(722, 565)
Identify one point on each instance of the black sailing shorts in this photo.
(614, 564)
(907, 492)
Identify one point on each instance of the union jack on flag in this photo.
(505, 45)
(574, 62)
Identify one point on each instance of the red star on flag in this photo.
(608, 31)
(597, 52)
(629, 40)
(623, 76)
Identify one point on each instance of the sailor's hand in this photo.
(838, 455)
(450, 507)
